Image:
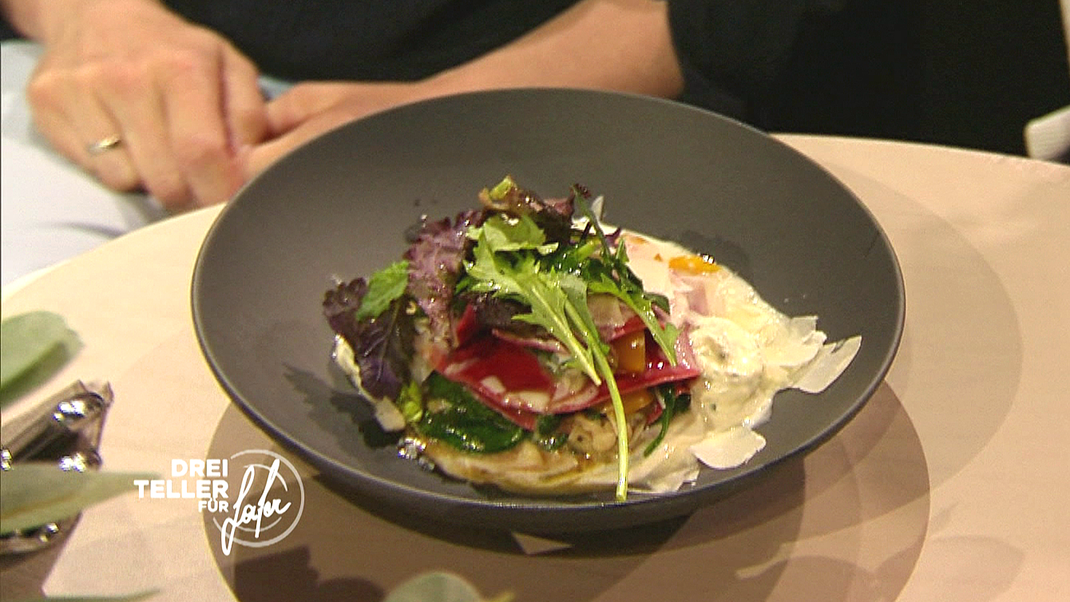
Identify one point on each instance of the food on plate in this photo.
(527, 345)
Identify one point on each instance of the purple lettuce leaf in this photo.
(382, 346)
(435, 260)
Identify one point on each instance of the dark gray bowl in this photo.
(338, 207)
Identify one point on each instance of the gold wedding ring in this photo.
(104, 144)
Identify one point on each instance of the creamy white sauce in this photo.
(386, 413)
(747, 352)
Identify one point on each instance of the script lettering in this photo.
(245, 514)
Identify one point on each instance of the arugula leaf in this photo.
(619, 280)
(384, 287)
(623, 453)
(558, 302)
(665, 336)
(541, 291)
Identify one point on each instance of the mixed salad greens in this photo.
(506, 324)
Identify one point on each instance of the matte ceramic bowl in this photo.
(338, 207)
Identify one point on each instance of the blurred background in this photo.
(969, 73)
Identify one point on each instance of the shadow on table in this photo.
(347, 551)
(289, 576)
(22, 576)
(945, 274)
(845, 522)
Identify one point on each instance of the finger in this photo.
(302, 102)
(263, 155)
(256, 159)
(243, 102)
(112, 163)
(72, 118)
(137, 105)
(199, 134)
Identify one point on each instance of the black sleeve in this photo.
(731, 51)
(7, 32)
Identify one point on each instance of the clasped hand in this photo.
(181, 100)
(185, 106)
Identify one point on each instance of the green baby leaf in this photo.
(440, 586)
(512, 233)
(33, 346)
(35, 494)
(384, 287)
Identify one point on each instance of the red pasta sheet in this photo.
(509, 377)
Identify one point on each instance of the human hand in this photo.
(180, 98)
(310, 109)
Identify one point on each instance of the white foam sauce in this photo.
(747, 351)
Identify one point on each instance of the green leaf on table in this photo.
(440, 587)
(33, 346)
(35, 494)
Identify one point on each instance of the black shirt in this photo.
(367, 39)
(730, 50)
